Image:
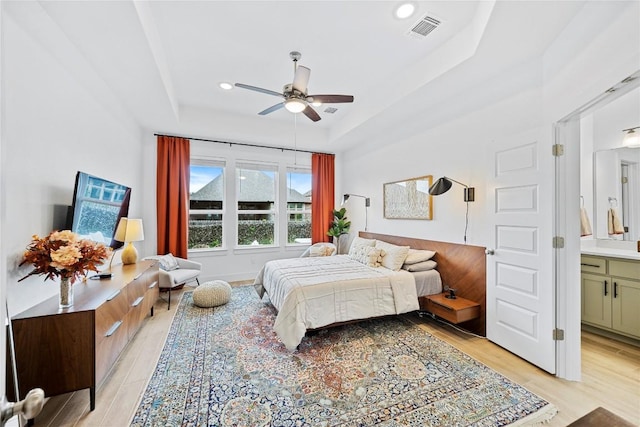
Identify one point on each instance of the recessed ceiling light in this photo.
(405, 10)
(226, 86)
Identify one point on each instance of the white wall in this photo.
(455, 149)
(610, 120)
(586, 169)
(53, 127)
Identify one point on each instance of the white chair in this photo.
(175, 273)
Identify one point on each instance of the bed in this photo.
(316, 292)
(339, 295)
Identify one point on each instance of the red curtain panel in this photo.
(172, 195)
(322, 196)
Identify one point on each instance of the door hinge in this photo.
(558, 242)
(557, 150)
(558, 334)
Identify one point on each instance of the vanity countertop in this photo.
(610, 252)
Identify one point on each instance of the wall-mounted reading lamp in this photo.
(367, 203)
(442, 185)
(631, 137)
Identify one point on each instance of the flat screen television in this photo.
(98, 205)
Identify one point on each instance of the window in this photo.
(206, 204)
(256, 189)
(242, 199)
(298, 205)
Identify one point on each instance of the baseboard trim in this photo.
(609, 334)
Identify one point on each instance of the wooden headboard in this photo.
(462, 267)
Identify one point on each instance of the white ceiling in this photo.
(163, 60)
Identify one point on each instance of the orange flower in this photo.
(63, 254)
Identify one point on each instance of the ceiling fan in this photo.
(295, 95)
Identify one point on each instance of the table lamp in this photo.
(129, 231)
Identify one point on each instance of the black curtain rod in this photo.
(244, 144)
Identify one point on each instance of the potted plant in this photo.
(339, 226)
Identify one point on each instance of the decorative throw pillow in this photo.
(168, 262)
(359, 241)
(394, 255)
(319, 249)
(418, 255)
(322, 249)
(420, 266)
(367, 255)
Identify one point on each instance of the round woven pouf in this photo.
(212, 294)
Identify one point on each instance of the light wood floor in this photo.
(610, 377)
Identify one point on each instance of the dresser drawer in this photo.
(628, 269)
(110, 312)
(592, 264)
(137, 288)
(109, 348)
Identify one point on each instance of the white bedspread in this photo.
(318, 291)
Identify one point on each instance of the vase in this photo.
(66, 292)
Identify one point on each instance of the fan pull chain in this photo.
(295, 140)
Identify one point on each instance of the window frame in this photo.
(295, 169)
(273, 212)
(207, 162)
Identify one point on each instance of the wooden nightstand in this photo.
(454, 310)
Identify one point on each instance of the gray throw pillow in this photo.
(168, 262)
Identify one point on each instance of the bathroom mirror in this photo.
(616, 183)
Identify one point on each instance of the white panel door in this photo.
(520, 278)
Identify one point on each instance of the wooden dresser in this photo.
(72, 349)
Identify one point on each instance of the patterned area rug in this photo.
(226, 367)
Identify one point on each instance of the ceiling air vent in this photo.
(330, 110)
(424, 26)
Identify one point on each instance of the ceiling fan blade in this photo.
(301, 79)
(311, 113)
(331, 99)
(258, 89)
(271, 109)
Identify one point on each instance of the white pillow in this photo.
(418, 255)
(322, 249)
(367, 255)
(394, 255)
(359, 241)
(420, 266)
(168, 262)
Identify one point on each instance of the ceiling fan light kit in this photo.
(295, 95)
(294, 105)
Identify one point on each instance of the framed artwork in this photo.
(408, 199)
